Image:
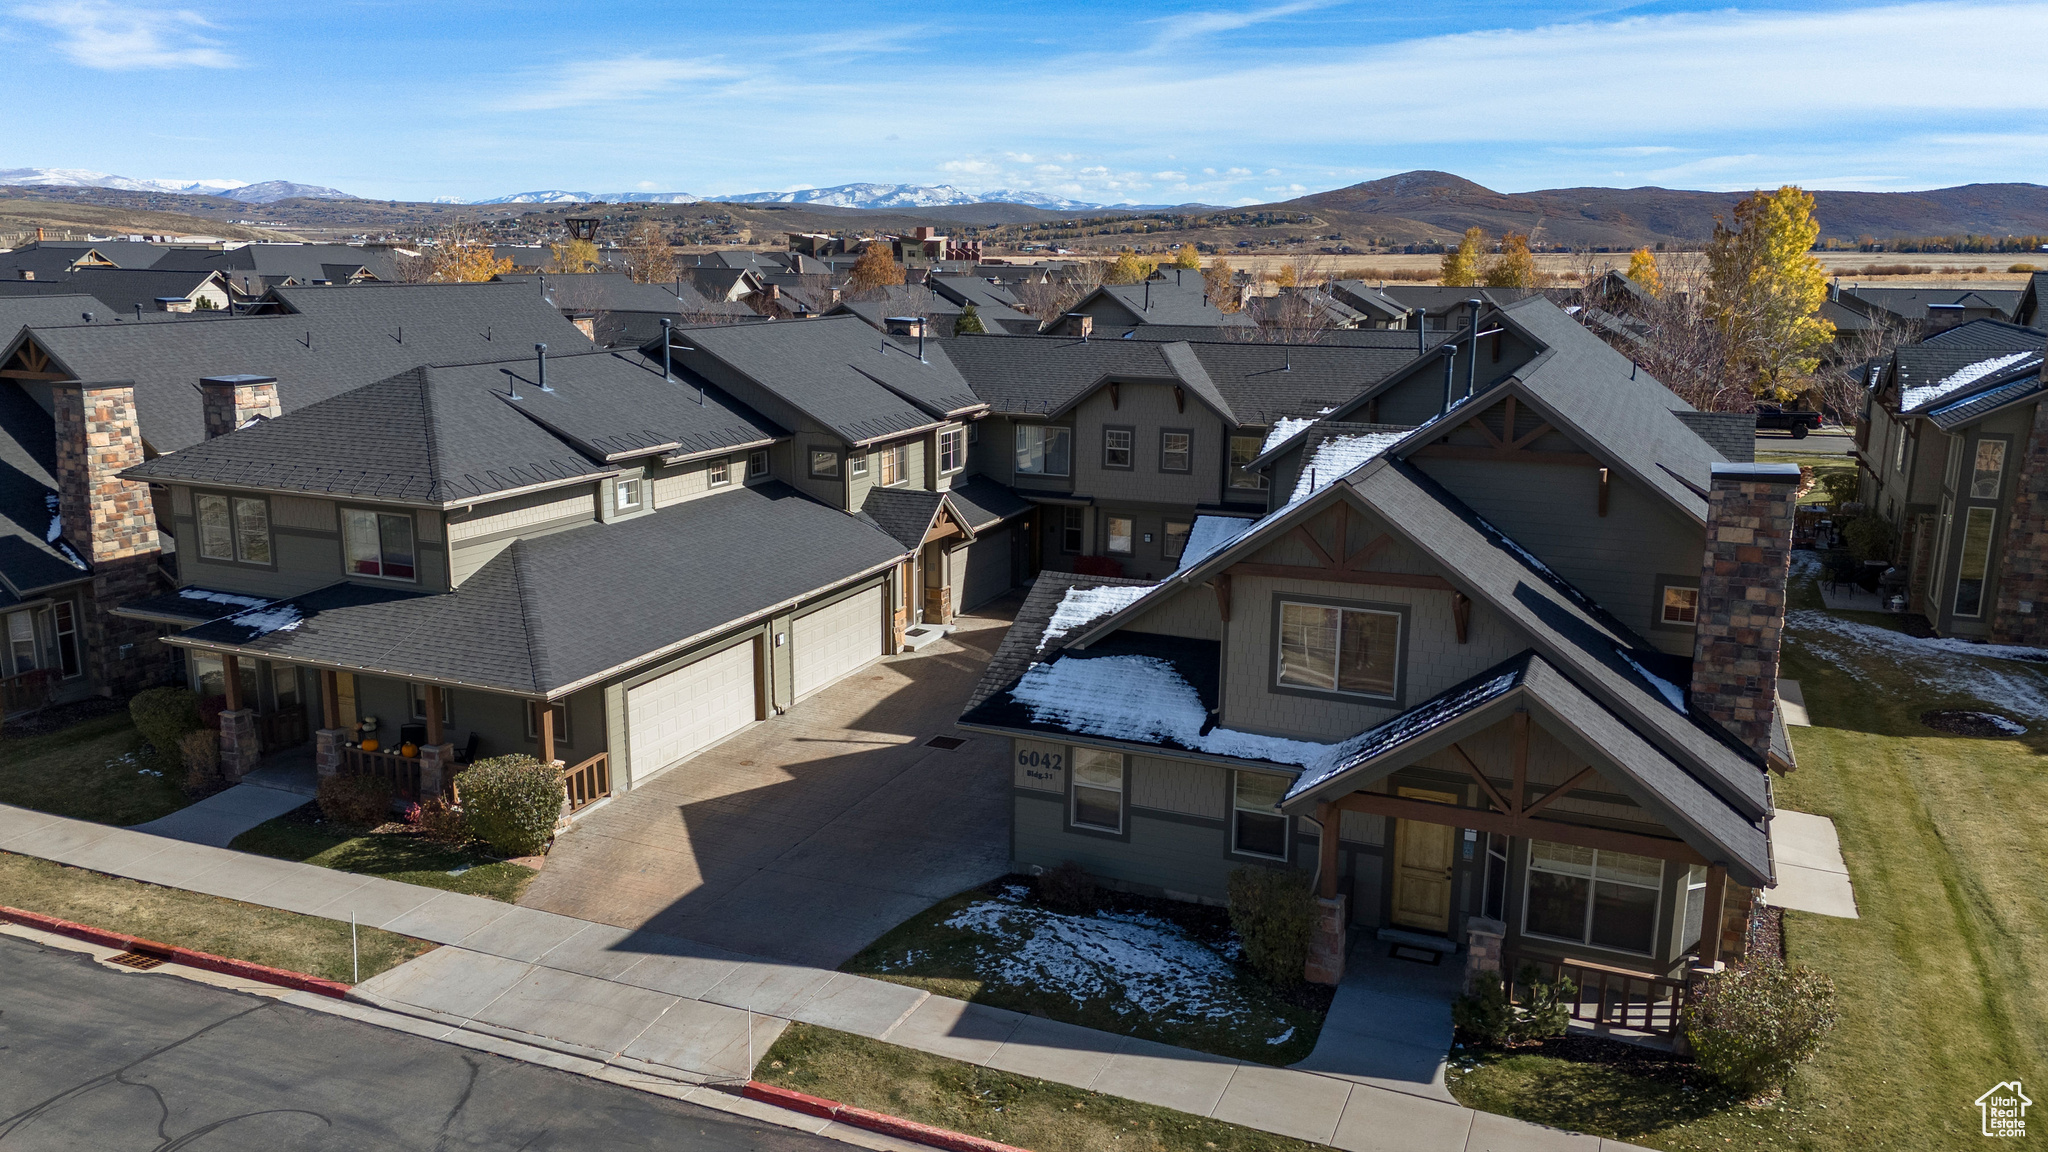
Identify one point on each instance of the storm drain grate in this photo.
(946, 742)
(139, 961)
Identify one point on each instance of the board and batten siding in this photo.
(1191, 613)
(1148, 409)
(478, 534)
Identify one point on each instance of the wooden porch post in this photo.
(231, 667)
(434, 714)
(1328, 816)
(330, 700)
(1714, 906)
(547, 732)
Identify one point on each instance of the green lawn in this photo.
(1943, 981)
(1016, 1110)
(1031, 968)
(286, 940)
(93, 770)
(400, 856)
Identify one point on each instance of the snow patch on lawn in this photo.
(1941, 664)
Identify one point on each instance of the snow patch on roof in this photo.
(263, 621)
(1407, 725)
(1143, 700)
(1283, 430)
(1211, 534)
(1081, 607)
(229, 598)
(1672, 693)
(1928, 393)
(1338, 457)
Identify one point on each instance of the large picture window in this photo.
(1098, 789)
(378, 543)
(235, 528)
(1976, 562)
(1355, 651)
(824, 464)
(1044, 450)
(1592, 896)
(1256, 827)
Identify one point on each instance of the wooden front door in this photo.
(1422, 868)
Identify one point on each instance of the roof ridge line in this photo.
(536, 648)
(432, 436)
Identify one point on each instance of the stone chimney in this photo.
(27, 273)
(110, 523)
(1741, 613)
(230, 402)
(1080, 324)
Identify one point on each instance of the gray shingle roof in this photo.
(541, 618)
(1913, 303)
(1990, 335)
(303, 262)
(1732, 434)
(1019, 648)
(842, 374)
(904, 513)
(982, 502)
(2005, 388)
(1178, 296)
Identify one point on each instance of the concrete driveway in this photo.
(805, 837)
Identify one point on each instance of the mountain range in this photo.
(264, 193)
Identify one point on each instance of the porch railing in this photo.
(1611, 997)
(586, 783)
(401, 772)
(26, 691)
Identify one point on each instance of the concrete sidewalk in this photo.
(663, 1006)
(263, 795)
(1812, 876)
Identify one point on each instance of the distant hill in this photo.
(558, 196)
(271, 191)
(264, 193)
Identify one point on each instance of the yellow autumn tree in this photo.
(1289, 276)
(1127, 268)
(1219, 285)
(1186, 256)
(466, 262)
(1765, 289)
(876, 268)
(1642, 268)
(1461, 266)
(573, 256)
(1515, 267)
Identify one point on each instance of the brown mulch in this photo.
(1767, 932)
(1978, 725)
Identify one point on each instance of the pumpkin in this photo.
(369, 743)
(408, 749)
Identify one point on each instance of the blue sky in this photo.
(1158, 102)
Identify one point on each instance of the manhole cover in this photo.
(946, 742)
(141, 962)
(1983, 725)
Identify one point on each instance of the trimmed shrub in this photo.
(510, 803)
(200, 750)
(1751, 1024)
(1840, 487)
(163, 716)
(1487, 1013)
(355, 801)
(1274, 914)
(1068, 888)
(1870, 537)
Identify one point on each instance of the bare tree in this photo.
(649, 258)
(1670, 334)
(1060, 290)
(1297, 313)
(1843, 379)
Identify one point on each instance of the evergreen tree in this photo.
(1764, 288)
(1642, 268)
(1461, 264)
(1187, 257)
(969, 323)
(876, 268)
(1515, 267)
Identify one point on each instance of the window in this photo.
(1243, 450)
(720, 473)
(561, 711)
(1070, 530)
(234, 528)
(1976, 561)
(1592, 896)
(895, 464)
(1116, 448)
(1043, 449)
(377, 543)
(1339, 649)
(1695, 906)
(21, 641)
(1493, 904)
(1905, 441)
(629, 494)
(1176, 451)
(1176, 539)
(66, 618)
(952, 451)
(757, 464)
(824, 464)
(1119, 531)
(419, 708)
(1098, 789)
(1681, 605)
(1987, 470)
(857, 464)
(1256, 827)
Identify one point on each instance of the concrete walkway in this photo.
(1390, 1023)
(684, 1012)
(263, 795)
(1812, 876)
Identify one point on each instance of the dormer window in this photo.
(628, 495)
(378, 543)
(757, 464)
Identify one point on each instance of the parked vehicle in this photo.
(1786, 420)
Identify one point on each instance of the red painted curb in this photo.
(281, 977)
(872, 1121)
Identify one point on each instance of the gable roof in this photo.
(126, 289)
(1933, 376)
(1170, 296)
(904, 513)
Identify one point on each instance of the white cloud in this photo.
(620, 79)
(114, 37)
(1193, 24)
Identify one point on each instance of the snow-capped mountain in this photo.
(273, 190)
(263, 193)
(905, 196)
(558, 196)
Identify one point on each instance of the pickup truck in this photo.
(1787, 420)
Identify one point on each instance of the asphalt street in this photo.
(91, 1057)
(1815, 444)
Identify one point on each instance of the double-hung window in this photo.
(1176, 539)
(1349, 650)
(1257, 828)
(1681, 605)
(419, 707)
(378, 543)
(857, 464)
(21, 641)
(1071, 531)
(628, 494)
(1593, 896)
(1176, 450)
(1098, 789)
(895, 464)
(757, 464)
(1116, 448)
(952, 451)
(1243, 450)
(561, 711)
(1044, 449)
(233, 528)
(719, 474)
(65, 618)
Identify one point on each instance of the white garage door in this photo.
(673, 716)
(834, 641)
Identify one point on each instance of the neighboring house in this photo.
(47, 259)
(138, 290)
(878, 306)
(1168, 296)
(579, 560)
(1395, 682)
(1953, 452)
(253, 269)
(1928, 310)
(616, 312)
(993, 302)
(2028, 311)
(1448, 307)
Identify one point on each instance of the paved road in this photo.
(1816, 444)
(91, 1057)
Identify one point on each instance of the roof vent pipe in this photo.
(138, 310)
(540, 357)
(920, 343)
(1421, 331)
(1450, 373)
(1472, 361)
(1148, 295)
(668, 376)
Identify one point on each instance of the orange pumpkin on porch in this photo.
(408, 749)
(369, 743)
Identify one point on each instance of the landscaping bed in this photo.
(1017, 1110)
(1158, 969)
(393, 851)
(98, 769)
(309, 944)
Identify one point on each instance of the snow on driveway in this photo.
(1999, 676)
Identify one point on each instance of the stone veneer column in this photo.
(1483, 948)
(1741, 616)
(110, 524)
(2021, 615)
(1326, 949)
(437, 770)
(229, 402)
(241, 746)
(327, 746)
